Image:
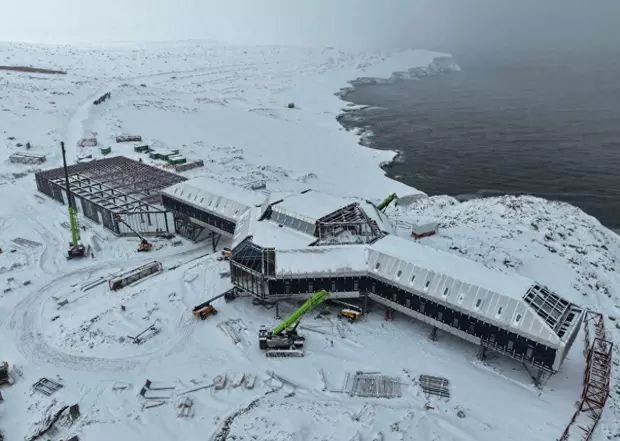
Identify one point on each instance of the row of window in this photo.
(208, 218)
(445, 293)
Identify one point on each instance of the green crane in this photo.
(76, 249)
(283, 340)
(315, 300)
(387, 201)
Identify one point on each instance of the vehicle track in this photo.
(26, 324)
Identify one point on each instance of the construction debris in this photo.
(148, 333)
(249, 381)
(90, 284)
(27, 158)
(195, 388)
(87, 142)
(233, 329)
(26, 242)
(372, 384)
(46, 386)
(238, 380)
(156, 385)
(219, 382)
(129, 138)
(120, 386)
(189, 165)
(154, 403)
(437, 386)
(185, 408)
(156, 391)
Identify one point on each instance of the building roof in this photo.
(310, 206)
(490, 295)
(460, 268)
(462, 284)
(322, 261)
(225, 200)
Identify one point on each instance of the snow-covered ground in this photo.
(228, 106)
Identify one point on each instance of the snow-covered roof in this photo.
(225, 200)
(460, 268)
(380, 218)
(491, 295)
(326, 260)
(310, 206)
(269, 234)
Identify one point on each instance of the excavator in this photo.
(387, 201)
(76, 249)
(144, 244)
(283, 340)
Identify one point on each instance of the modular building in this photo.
(295, 244)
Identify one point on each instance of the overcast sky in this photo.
(450, 25)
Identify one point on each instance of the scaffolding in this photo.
(596, 380)
(115, 186)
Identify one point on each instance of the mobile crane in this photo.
(144, 244)
(76, 249)
(283, 340)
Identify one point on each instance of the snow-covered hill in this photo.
(229, 106)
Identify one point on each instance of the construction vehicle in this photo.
(5, 378)
(351, 314)
(76, 249)
(206, 309)
(283, 340)
(387, 201)
(144, 244)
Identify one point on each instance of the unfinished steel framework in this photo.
(596, 379)
(349, 224)
(114, 186)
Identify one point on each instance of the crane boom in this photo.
(73, 222)
(118, 218)
(313, 301)
(387, 201)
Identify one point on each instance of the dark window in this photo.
(529, 352)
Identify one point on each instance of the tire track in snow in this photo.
(26, 322)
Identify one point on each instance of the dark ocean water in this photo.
(546, 126)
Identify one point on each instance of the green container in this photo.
(143, 148)
(106, 150)
(177, 159)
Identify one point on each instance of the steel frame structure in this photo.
(596, 380)
(116, 185)
(348, 219)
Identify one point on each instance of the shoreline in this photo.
(366, 137)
